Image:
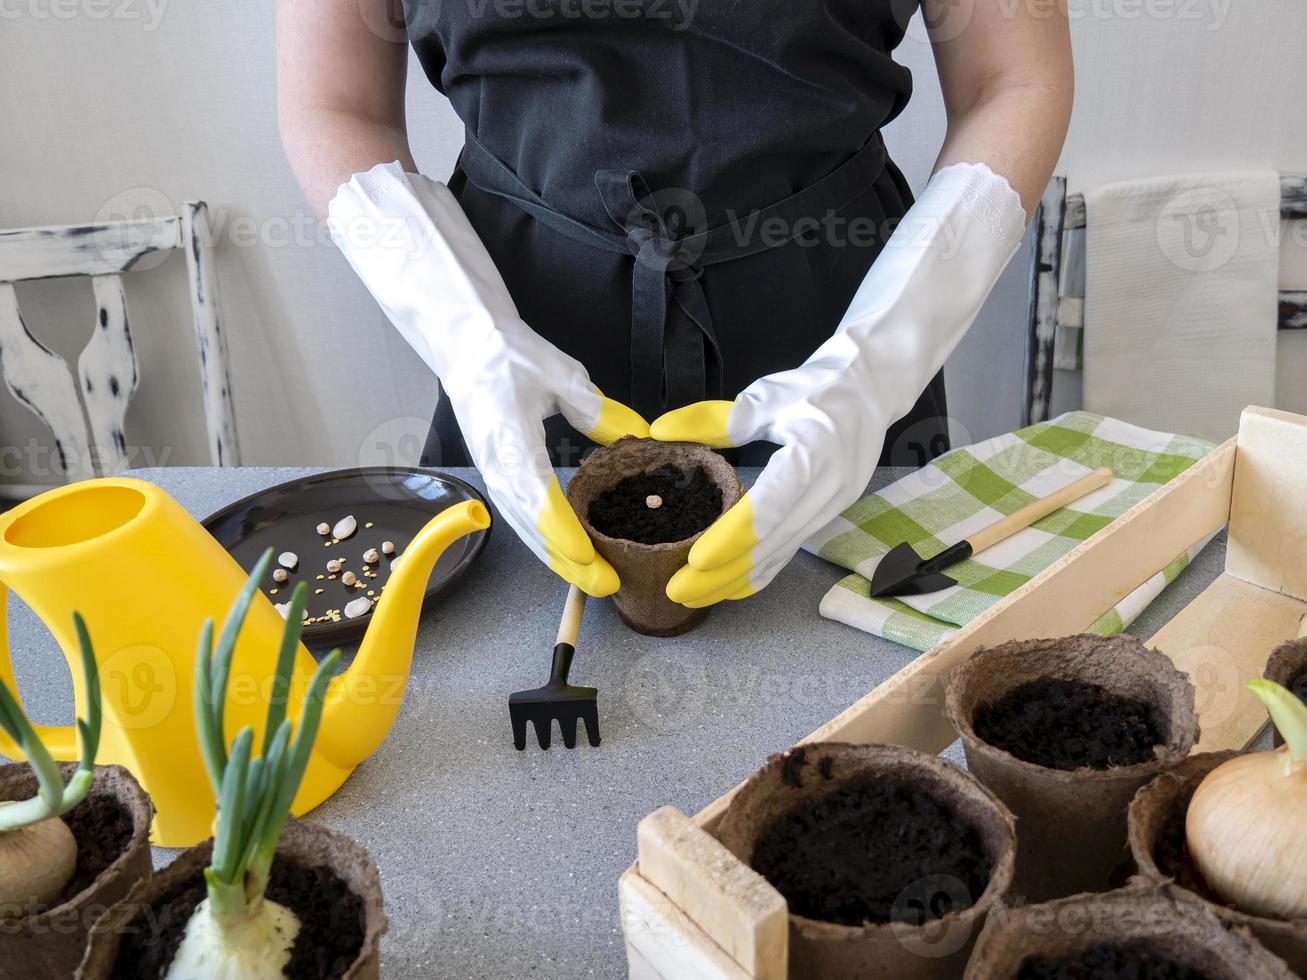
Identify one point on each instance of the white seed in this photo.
(653, 501)
(349, 578)
(357, 607)
(371, 557)
(333, 566)
(288, 559)
(280, 575)
(388, 547)
(324, 528)
(345, 527)
(284, 609)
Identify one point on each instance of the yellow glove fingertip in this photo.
(703, 422)
(617, 420)
(731, 538)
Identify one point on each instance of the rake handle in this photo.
(570, 626)
(1029, 514)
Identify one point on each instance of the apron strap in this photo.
(675, 355)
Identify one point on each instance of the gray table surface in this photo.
(498, 863)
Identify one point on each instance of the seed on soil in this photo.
(357, 607)
(324, 529)
(371, 557)
(349, 578)
(388, 547)
(345, 527)
(653, 501)
(280, 575)
(333, 566)
(288, 560)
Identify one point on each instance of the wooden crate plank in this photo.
(662, 943)
(1268, 512)
(731, 903)
(1222, 640)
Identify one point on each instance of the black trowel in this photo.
(904, 572)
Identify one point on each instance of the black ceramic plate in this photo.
(396, 502)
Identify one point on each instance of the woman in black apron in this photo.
(684, 196)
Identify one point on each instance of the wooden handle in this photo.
(1027, 515)
(570, 627)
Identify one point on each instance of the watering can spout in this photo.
(362, 703)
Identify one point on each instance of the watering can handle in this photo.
(60, 740)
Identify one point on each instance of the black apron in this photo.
(684, 195)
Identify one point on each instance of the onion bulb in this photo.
(1247, 823)
(253, 946)
(36, 863)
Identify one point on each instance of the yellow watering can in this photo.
(146, 575)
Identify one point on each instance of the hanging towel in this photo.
(1181, 281)
(970, 488)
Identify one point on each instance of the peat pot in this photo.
(645, 569)
(785, 809)
(1157, 818)
(130, 939)
(114, 819)
(1113, 930)
(1288, 668)
(1071, 824)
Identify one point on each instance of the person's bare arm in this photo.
(340, 91)
(1008, 82)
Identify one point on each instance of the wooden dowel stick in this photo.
(1023, 518)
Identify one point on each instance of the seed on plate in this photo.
(370, 557)
(284, 609)
(321, 577)
(349, 578)
(333, 566)
(368, 524)
(357, 607)
(288, 560)
(388, 547)
(345, 527)
(280, 575)
(324, 528)
(272, 592)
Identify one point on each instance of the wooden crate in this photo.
(691, 910)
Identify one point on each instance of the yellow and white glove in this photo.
(410, 242)
(830, 414)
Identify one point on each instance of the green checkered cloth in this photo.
(971, 488)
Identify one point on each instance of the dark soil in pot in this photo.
(329, 940)
(888, 859)
(1070, 725)
(1157, 842)
(111, 827)
(686, 503)
(828, 856)
(1288, 667)
(1141, 932)
(609, 493)
(1065, 732)
(327, 880)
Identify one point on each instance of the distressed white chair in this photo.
(1057, 289)
(107, 374)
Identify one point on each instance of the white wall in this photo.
(168, 100)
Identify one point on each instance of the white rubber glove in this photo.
(830, 415)
(416, 251)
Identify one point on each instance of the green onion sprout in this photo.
(236, 932)
(38, 853)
